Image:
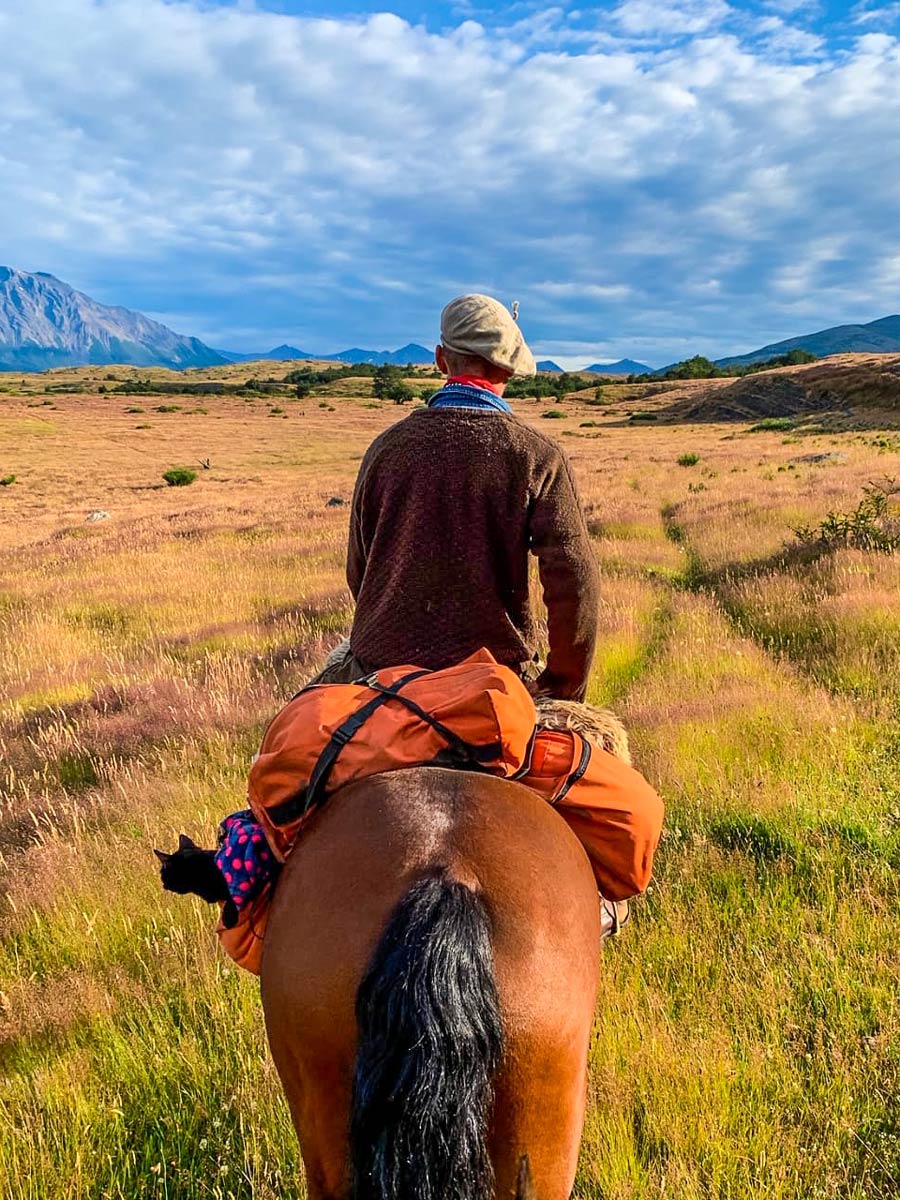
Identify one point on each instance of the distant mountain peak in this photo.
(623, 366)
(45, 322)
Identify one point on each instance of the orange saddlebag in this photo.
(477, 714)
(610, 807)
(244, 941)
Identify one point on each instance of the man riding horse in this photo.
(448, 505)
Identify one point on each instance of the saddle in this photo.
(476, 715)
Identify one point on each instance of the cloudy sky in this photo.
(650, 178)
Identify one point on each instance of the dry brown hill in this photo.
(840, 384)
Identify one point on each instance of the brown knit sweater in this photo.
(448, 503)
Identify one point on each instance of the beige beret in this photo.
(483, 326)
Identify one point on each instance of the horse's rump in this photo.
(427, 875)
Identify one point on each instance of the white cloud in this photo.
(651, 180)
(656, 17)
(875, 14)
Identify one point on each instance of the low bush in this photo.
(7, 480)
(179, 476)
(553, 414)
(774, 425)
(873, 525)
(688, 460)
(168, 408)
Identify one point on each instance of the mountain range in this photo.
(45, 322)
(411, 353)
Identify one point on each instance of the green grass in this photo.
(747, 1033)
(774, 425)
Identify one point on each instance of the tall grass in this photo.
(747, 1028)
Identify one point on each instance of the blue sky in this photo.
(650, 178)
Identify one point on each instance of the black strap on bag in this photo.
(477, 754)
(579, 771)
(461, 752)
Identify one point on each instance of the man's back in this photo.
(447, 505)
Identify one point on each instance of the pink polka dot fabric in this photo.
(244, 857)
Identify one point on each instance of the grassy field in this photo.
(747, 1042)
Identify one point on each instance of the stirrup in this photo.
(614, 916)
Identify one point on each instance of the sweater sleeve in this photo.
(356, 551)
(570, 582)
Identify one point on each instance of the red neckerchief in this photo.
(474, 381)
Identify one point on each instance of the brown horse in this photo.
(429, 982)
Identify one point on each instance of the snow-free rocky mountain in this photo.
(411, 353)
(46, 323)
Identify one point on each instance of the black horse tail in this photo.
(430, 1041)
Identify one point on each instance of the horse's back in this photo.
(353, 866)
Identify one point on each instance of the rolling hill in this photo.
(851, 385)
(877, 337)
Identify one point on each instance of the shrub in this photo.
(134, 410)
(553, 414)
(7, 480)
(773, 425)
(179, 476)
(557, 386)
(590, 425)
(168, 408)
(873, 525)
(643, 416)
(688, 460)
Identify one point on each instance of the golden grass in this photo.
(747, 1029)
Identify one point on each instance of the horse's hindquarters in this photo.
(334, 901)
